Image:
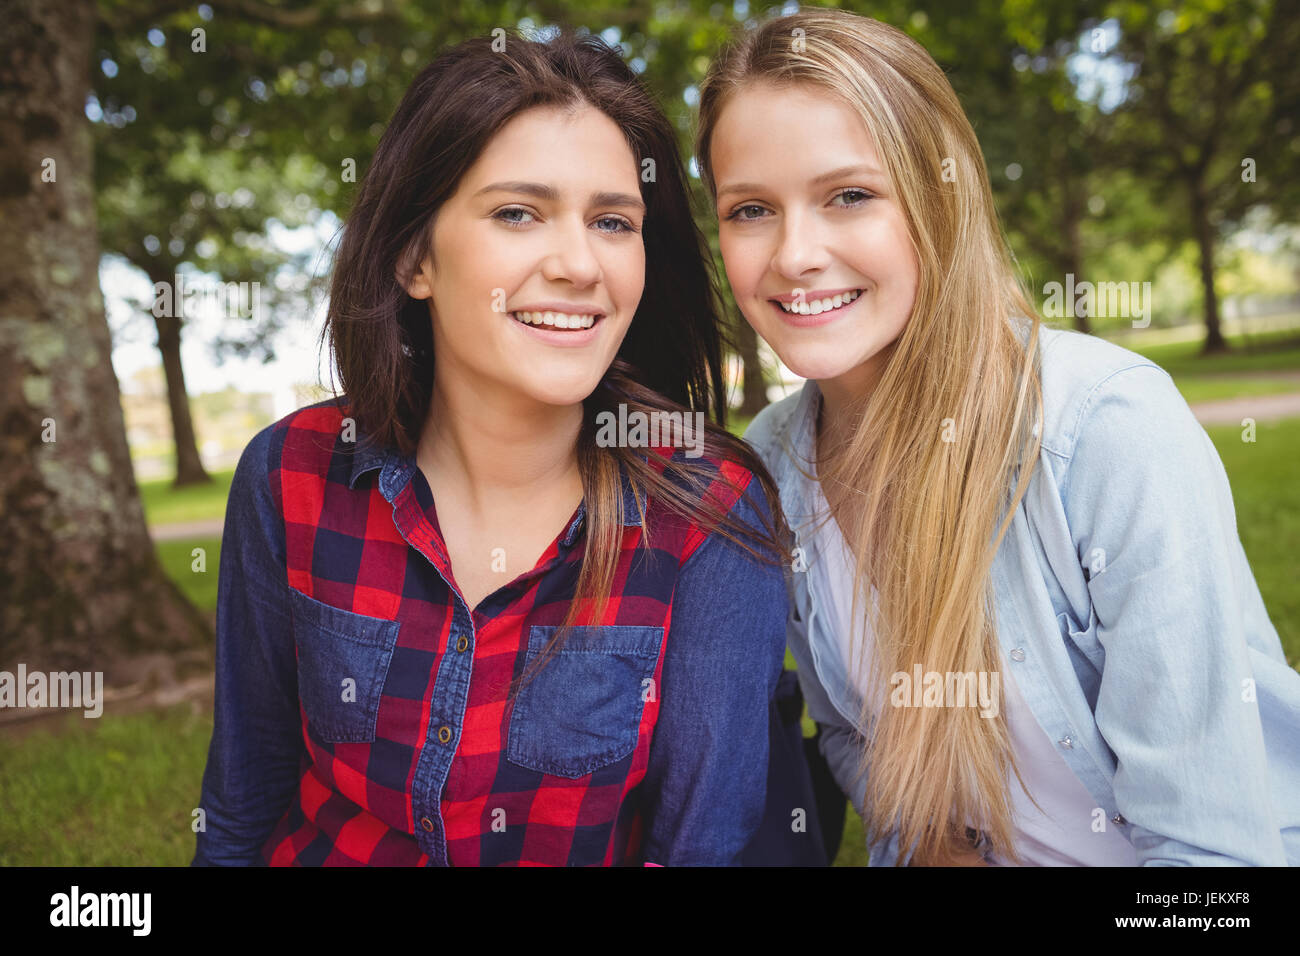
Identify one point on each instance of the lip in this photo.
(565, 338)
(813, 321)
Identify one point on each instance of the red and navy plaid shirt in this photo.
(364, 712)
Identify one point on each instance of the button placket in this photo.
(450, 694)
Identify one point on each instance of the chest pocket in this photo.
(582, 710)
(343, 661)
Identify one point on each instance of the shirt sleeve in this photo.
(1150, 512)
(839, 741)
(706, 782)
(253, 758)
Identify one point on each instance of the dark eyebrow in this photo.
(542, 191)
(840, 173)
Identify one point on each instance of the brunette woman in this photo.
(459, 624)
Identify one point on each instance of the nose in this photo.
(572, 256)
(801, 250)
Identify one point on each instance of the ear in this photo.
(415, 278)
(414, 270)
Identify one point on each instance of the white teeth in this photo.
(818, 306)
(558, 320)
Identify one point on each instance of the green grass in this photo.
(111, 791)
(164, 504)
(1215, 388)
(1243, 372)
(1265, 479)
(178, 561)
(1268, 352)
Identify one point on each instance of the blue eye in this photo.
(855, 192)
(500, 215)
(622, 224)
(735, 213)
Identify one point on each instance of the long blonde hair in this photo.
(943, 448)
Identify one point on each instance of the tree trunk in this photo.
(753, 388)
(1072, 214)
(1214, 340)
(189, 466)
(80, 586)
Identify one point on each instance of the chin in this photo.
(561, 394)
(817, 362)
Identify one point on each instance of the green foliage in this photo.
(281, 98)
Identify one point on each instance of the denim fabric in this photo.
(701, 796)
(1126, 606)
(580, 712)
(334, 646)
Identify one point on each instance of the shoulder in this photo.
(723, 483)
(1127, 451)
(307, 437)
(302, 442)
(1081, 374)
(731, 582)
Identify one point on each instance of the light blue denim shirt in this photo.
(1160, 680)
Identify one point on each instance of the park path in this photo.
(207, 528)
(1261, 408)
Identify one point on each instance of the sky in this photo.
(135, 338)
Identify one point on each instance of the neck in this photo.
(494, 446)
(843, 395)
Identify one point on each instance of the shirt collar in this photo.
(803, 435)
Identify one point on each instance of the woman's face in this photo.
(806, 213)
(546, 223)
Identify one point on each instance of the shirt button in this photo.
(426, 823)
(1067, 742)
(444, 733)
(462, 643)
(1018, 654)
(1118, 820)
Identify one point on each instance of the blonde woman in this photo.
(1020, 609)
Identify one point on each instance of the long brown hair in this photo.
(669, 361)
(944, 446)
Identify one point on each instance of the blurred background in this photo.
(1145, 160)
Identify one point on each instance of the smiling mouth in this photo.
(558, 320)
(818, 306)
